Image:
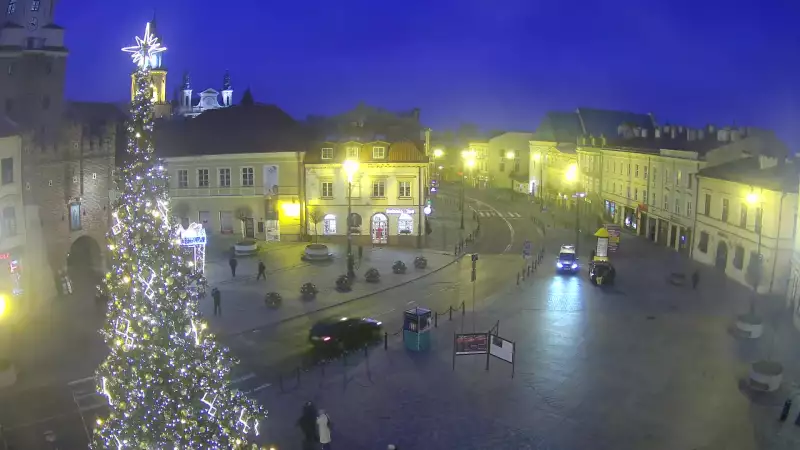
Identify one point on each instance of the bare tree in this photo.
(243, 213)
(315, 215)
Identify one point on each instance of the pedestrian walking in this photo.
(695, 279)
(233, 263)
(308, 426)
(324, 427)
(262, 271)
(217, 296)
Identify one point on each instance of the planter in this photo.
(766, 376)
(243, 248)
(309, 291)
(317, 252)
(749, 326)
(399, 267)
(273, 300)
(344, 283)
(8, 373)
(420, 262)
(372, 275)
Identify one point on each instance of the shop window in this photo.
(703, 244)
(329, 224)
(738, 257)
(405, 224)
(9, 221)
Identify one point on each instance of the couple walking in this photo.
(316, 427)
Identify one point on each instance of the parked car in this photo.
(345, 333)
(602, 272)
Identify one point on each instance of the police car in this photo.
(567, 261)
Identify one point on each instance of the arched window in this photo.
(329, 224)
(405, 224)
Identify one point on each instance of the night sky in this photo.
(500, 67)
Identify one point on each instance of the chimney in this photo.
(602, 140)
(766, 162)
(415, 113)
(591, 138)
(710, 129)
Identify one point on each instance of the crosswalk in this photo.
(501, 214)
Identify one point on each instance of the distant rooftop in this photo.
(764, 172)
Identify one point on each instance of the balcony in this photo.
(248, 191)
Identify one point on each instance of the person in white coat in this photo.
(324, 426)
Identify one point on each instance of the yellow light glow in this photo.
(437, 153)
(537, 156)
(290, 209)
(470, 163)
(441, 167)
(3, 305)
(510, 154)
(468, 154)
(571, 173)
(752, 198)
(350, 168)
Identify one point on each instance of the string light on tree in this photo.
(166, 379)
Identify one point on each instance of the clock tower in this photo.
(158, 74)
(32, 64)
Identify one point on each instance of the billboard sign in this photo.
(472, 344)
(613, 236)
(502, 348)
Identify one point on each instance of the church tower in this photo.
(33, 63)
(227, 90)
(158, 74)
(186, 94)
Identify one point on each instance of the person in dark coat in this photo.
(695, 279)
(308, 426)
(217, 296)
(233, 263)
(262, 271)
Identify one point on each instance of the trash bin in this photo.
(417, 324)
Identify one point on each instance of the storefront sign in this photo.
(195, 234)
(5, 255)
(399, 211)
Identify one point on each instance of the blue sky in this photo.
(500, 67)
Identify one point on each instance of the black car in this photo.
(602, 272)
(345, 333)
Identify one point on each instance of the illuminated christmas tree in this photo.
(166, 379)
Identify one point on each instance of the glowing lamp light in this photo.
(470, 163)
(427, 209)
(350, 168)
(510, 154)
(572, 173)
(290, 209)
(3, 306)
(537, 156)
(752, 198)
(437, 153)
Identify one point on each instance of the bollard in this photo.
(435, 319)
(787, 406)
(463, 308)
(455, 249)
(517, 278)
(385, 340)
(450, 308)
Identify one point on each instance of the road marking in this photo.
(387, 312)
(508, 224)
(81, 381)
(243, 378)
(411, 302)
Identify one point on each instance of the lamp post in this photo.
(754, 199)
(510, 156)
(571, 176)
(467, 161)
(350, 168)
(437, 154)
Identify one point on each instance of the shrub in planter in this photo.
(344, 283)
(420, 262)
(399, 267)
(309, 291)
(246, 241)
(372, 275)
(273, 300)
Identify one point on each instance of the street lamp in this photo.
(537, 157)
(438, 153)
(510, 156)
(571, 176)
(467, 161)
(350, 168)
(754, 199)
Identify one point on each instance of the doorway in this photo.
(379, 229)
(721, 261)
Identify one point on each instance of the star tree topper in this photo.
(146, 48)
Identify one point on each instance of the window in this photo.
(702, 245)
(35, 5)
(738, 257)
(677, 206)
(74, 216)
(689, 208)
(202, 177)
(502, 166)
(329, 224)
(379, 189)
(655, 175)
(9, 221)
(666, 202)
(689, 180)
(7, 170)
(405, 224)
(327, 189)
(248, 176)
(516, 165)
(653, 202)
(378, 152)
(666, 176)
(757, 225)
(636, 195)
(629, 169)
(679, 178)
(46, 102)
(636, 173)
(224, 177)
(644, 172)
(352, 152)
(707, 205)
(12, 6)
(628, 192)
(404, 189)
(183, 178)
(327, 153)
(743, 215)
(725, 203)
(644, 196)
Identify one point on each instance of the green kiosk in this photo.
(417, 326)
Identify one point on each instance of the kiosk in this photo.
(417, 326)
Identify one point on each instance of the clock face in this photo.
(33, 23)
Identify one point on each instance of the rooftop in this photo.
(776, 175)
